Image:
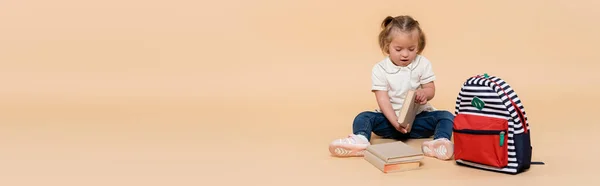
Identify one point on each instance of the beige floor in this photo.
(192, 143)
(176, 92)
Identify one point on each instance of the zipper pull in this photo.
(502, 138)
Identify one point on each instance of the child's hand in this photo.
(400, 128)
(420, 97)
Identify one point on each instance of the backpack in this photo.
(491, 130)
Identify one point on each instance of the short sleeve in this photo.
(428, 75)
(378, 79)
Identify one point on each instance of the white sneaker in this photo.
(353, 145)
(442, 148)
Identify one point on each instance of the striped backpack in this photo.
(491, 130)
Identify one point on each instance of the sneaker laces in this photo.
(351, 139)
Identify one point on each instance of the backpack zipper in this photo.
(501, 133)
(502, 138)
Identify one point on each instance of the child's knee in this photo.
(365, 114)
(446, 115)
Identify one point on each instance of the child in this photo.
(402, 39)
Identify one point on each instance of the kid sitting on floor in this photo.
(402, 39)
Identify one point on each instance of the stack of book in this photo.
(393, 157)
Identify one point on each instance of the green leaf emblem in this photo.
(477, 103)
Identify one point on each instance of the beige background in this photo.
(177, 92)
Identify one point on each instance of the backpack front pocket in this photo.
(481, 140)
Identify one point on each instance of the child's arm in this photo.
(426, 93)
(383, 100)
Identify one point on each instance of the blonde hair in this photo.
(403, 23)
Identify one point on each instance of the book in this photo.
(393, 157)
(390, 168)
(408, 112)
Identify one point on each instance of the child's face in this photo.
(404, 47)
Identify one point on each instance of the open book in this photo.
(407, 113)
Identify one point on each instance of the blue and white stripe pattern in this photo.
(491, 91)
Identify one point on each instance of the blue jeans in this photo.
(437, 123)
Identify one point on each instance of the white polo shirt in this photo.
(398, 80)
